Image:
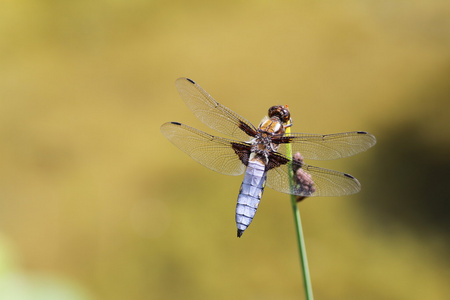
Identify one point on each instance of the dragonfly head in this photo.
(280, 111)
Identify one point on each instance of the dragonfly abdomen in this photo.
(250, 194)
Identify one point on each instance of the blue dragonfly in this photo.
(256, 151)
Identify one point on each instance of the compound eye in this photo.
(285, 115)
(274, 110)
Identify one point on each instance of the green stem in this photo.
(299, 230)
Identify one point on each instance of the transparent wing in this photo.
(310, 180)
(218, 154)
(212, 113)
(328, 146)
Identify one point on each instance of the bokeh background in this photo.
(96, 204)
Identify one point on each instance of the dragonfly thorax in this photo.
(271, 126)
(262, 145)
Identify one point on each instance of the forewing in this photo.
(218, 154)
(328, 146)
(212, 113)
(324, 182)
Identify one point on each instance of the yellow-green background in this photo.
(96, 204)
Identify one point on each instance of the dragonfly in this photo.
(260, 152)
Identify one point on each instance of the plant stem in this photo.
(299, 230)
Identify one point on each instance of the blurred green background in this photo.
(96, 204)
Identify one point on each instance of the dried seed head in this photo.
(302, 178)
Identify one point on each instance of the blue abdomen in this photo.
(249, 195)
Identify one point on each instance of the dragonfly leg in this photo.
(288, 125)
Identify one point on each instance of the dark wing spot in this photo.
(247, 129)
(281, 139)
(175, 123)
(349, 176)
(362, 132)
(243, 151)
(276, 160)
(190, 80)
